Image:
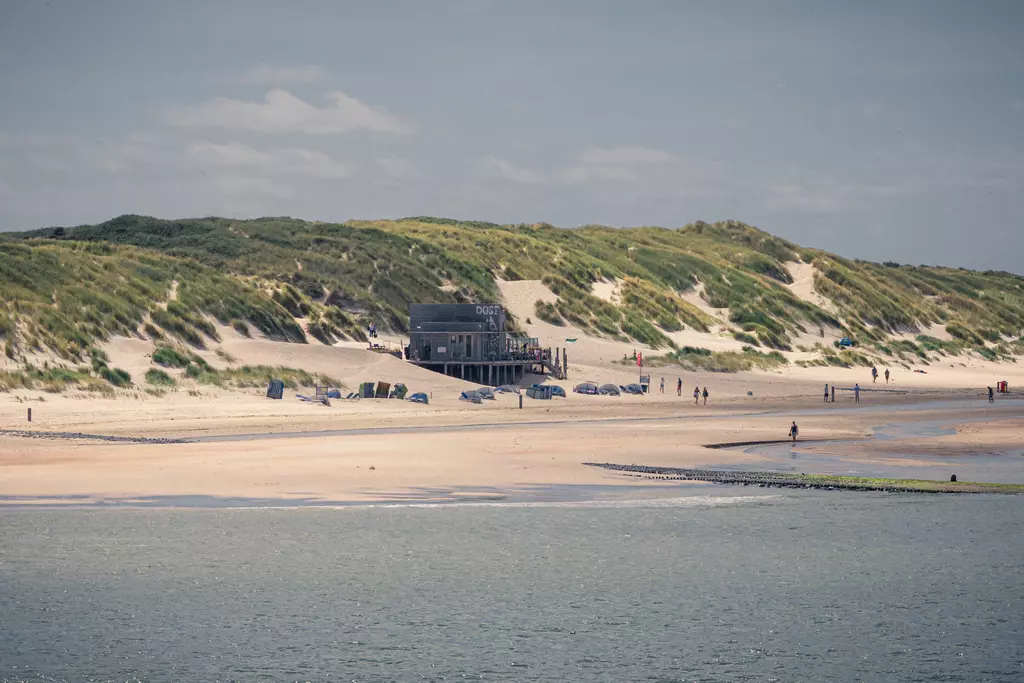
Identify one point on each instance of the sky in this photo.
(874, 129)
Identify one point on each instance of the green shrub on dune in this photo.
(159, 378)
(64, 289)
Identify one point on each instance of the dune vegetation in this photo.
(63, 289)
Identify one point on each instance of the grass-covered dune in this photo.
(64, 288)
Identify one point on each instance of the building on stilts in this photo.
(473, 342)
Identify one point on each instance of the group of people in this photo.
(830, 394)
(697, 393)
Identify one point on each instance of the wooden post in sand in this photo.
(520, 401)
(29, 414)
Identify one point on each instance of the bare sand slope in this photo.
(803, 285)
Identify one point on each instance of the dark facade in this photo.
(471, 341)
(460, 333)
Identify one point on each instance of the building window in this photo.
(469, 346)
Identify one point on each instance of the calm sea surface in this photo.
(807, 587)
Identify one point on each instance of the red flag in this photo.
(640, 359)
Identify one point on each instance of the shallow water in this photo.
(803, 587)
(1000, 468)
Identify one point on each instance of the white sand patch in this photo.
(803, 286)
(813, 336)
(713, 341)
(695, 298)
(932, 330)
(590, 357)
(304, 324)
(607, 290)
(130, 354)
(350, 362)
(520, 295)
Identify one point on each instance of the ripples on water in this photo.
(810, 587)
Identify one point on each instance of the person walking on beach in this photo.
(856, 393)
(663, 385)
(826, 393)
(696, 395)
(874, 375)
(793, 431)
(991, 396)
(705, 395)
(887, 375)
(679, 386)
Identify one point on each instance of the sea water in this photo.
(809, 586)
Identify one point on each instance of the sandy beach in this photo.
(387, 450)
(379, 450)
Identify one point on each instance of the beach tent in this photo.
(486, 392)
(276, 389)
(366, 390)
(557, 390)
(632, 389)
(383, 389)
(419, 397)
(585, 388)
(608, 390)
(846, 341)
(399, 391)
(472, 396)
(507, 389)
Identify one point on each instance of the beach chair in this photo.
(276, 389)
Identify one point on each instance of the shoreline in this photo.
(810, 481)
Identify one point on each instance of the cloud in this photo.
(825, 196)
(396, 169)
(282, 112)
(277, 76)
(68, 178)
(510, 171)
(292, 161)
(620, 164)
(60, 153)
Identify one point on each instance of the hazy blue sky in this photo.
(882, 130)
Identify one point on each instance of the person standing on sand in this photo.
(887, 375)
(826, 393)
(856, 393)
(679, 386)
(696, 395)
(705, 395)
(663, 385)
(874, 375)
(991, 396)
(793, 431)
